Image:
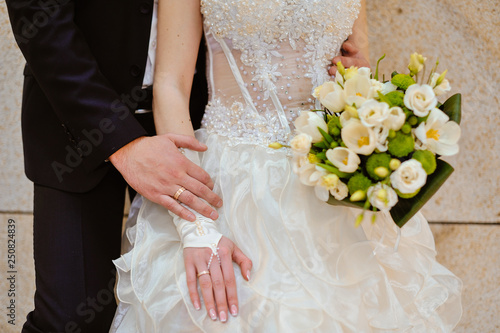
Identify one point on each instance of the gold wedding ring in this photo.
(203, 273)
(179, 192)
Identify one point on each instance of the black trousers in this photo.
(76, 237)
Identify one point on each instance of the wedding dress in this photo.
(313, 271)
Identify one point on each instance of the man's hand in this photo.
(156, 169)
(351, 56)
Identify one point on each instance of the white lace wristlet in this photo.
(201, 233)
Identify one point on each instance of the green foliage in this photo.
(427, 159)
(401, 145)
(375, 161)
(402, 81)
(358, 182)
(395, 98)
(406, 195)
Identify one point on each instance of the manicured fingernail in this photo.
(197, 305)
(214, 216)
(191, 217)
(219, 204)
(234, 310)
(223, 316)
(213, 315)
(248, 275)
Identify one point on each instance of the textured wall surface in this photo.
(462, 33)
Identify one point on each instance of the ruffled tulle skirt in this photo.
(313, 271)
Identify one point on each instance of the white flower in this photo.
(331, 96)
(382, 197)
(340, 192)
(344, 159)
(310, 174)
(357, 88)
(301, 144)
(325, 183)
(358, 138)
(373, 113)
(388, 87)
(346, 117)
(420, 99)
(439, 134)
(308, 122)
(441, 88)
(299, 162)
(375, 88)
(416, 63)
(409, 177)
(382, 132)
(395, 119)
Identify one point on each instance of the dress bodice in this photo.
(264, 59)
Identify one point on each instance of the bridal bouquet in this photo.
(376, 144)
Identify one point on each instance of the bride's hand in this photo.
(351, 56)
(217, 282)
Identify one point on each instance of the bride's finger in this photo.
(229, 280)
(205, 282)
(242, 260)
(219, 290)
(192, 284)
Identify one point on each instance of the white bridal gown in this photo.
(313, 271)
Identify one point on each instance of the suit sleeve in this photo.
(63, 65)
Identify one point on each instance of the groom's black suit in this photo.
(83, 79)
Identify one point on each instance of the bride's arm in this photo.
(179, 34)
(355, 51)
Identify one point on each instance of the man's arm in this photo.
(85, 102)
(67, 72)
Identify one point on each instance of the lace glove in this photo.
(201, 233)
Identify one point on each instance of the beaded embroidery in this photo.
(258, 32)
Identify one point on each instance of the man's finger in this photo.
(173, 206)
(186, 141)
(194, 202)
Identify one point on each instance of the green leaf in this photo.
(334, 170)
(404, 210)
(321, 145)
(453, 108)
(376, 71)
(326, 136)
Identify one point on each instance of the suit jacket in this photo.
(83, 78)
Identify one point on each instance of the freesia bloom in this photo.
(442, 87)
(358, 138)
(382, 132)
(331, 95)
(420, 99)
(357, 87)
(301, 144)
(344, 159)
(373, 113)
(382, 197)
(395, 119)
(308, 122)
(438, 134)
(416, 63)
(409, 177)
(340, 192)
